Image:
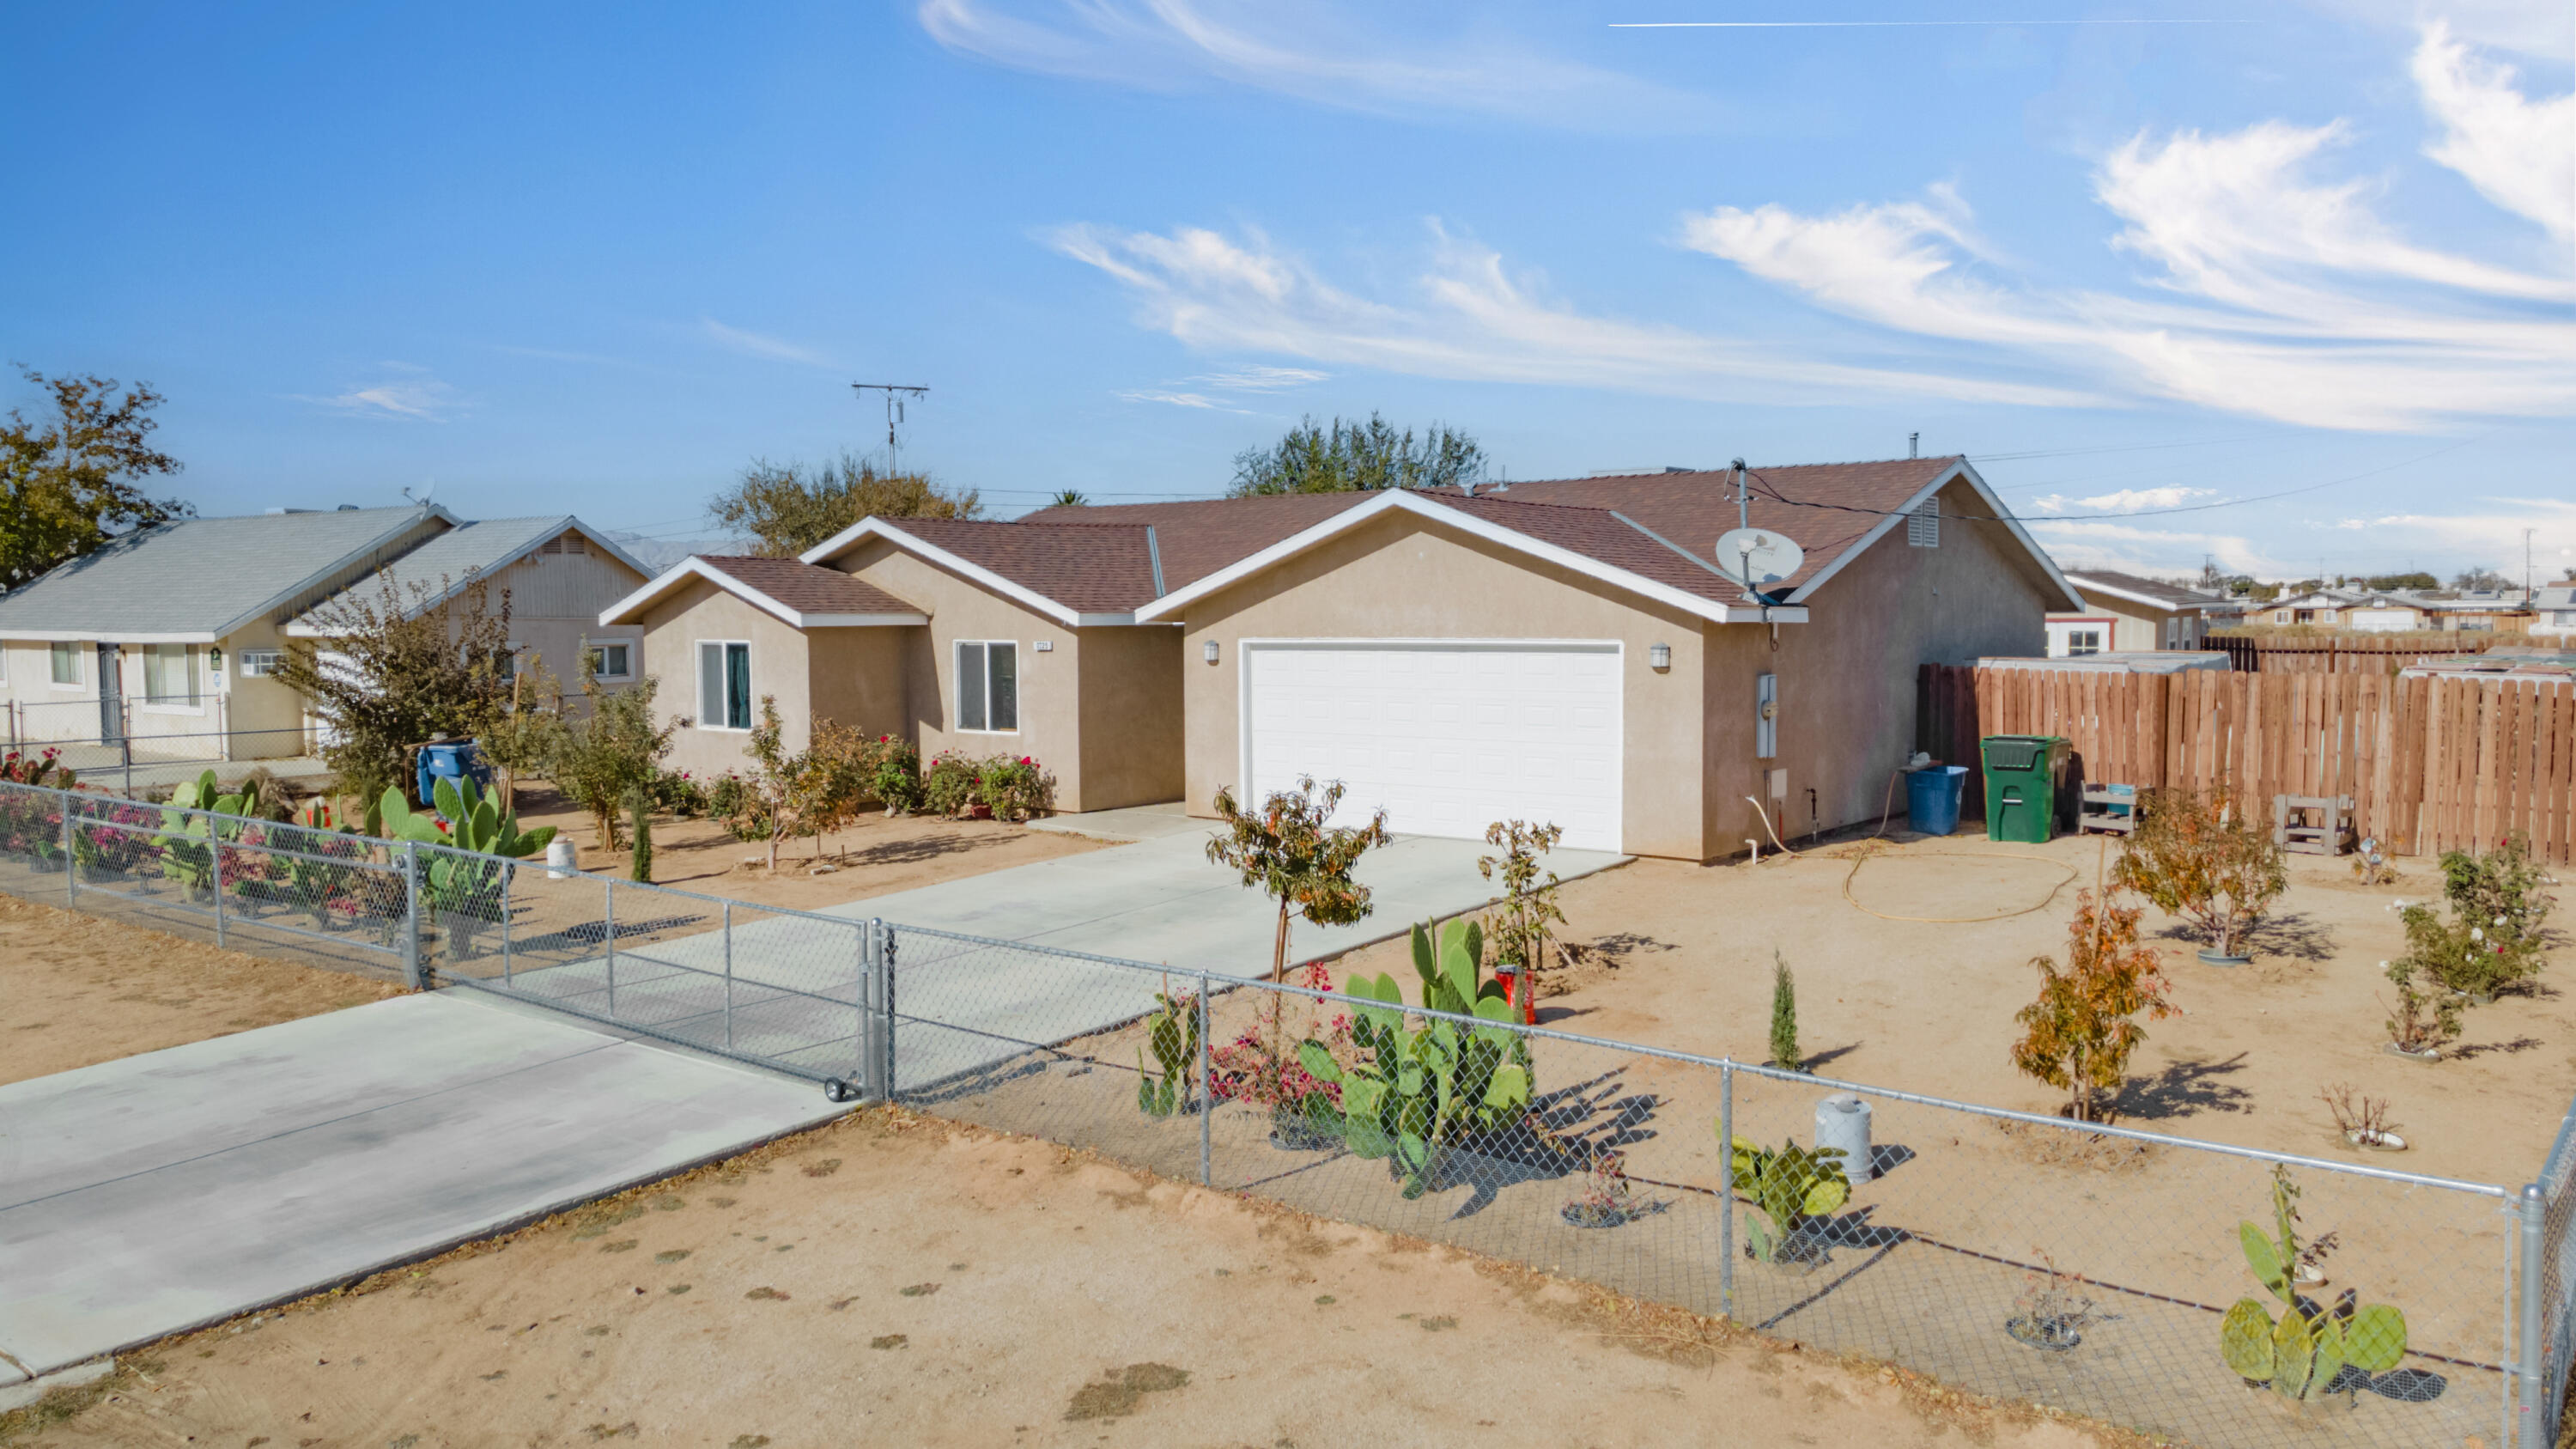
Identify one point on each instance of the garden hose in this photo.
(1865, 856)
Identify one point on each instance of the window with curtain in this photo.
(988, 685)
(169, 674)
(724, 684)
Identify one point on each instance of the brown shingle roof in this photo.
(807, 588)
(1692, 509)
(1091, 568)
(1199, 537)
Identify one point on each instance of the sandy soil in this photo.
(810, 1294)
(872, 857)
(75, 990)
(1680, 956)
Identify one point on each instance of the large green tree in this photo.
(398, 669)
(70, 477)
(1348, 457)
(789, 508)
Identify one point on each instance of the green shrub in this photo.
(1013, 789)
(2499, 931)
(949, 785)
(896, 777)
(679, 792)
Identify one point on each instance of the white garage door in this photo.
(1448, 737)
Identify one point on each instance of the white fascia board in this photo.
(608, 546)
(2095, 586)
(1522, 543)
(1995, 507)
(111, 636)
(874, 527)
(314, 580)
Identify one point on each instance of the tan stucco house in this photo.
(1551, 650)
(169, 637)
(2124, 613)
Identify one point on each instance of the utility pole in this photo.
(2526, 563)
(895, 393)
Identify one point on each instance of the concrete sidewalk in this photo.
(144, 1197)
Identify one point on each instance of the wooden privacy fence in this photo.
(2431, 764)
(2360, 654)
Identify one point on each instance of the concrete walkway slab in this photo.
(148, 1196)
(1161, 901)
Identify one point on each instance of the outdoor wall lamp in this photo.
(1659, 657)
(1207, 651)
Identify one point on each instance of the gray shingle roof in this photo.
(201, 576)
(444, 565)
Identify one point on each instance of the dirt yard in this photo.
(896, 1280)
(76, 990)
(871, 858)
(1680, 956)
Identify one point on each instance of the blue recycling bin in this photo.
(1932, 798)
(449, 760)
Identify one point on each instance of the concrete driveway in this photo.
(1158, 900)
(147, 1196)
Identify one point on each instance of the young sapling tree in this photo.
(2078, 1035)
(2198, 857)
(1287, 850)
(1784, 1017)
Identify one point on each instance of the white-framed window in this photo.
(2563, 618)
(724, 684)
(170, 676)
(612, 661)
(2280, 616)
(1923, 525)
(66, 659)
(2073, 638)
(988, 686)
(4, 664)
(2173, 632)
(261, 663)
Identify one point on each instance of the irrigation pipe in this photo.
(1766, 827)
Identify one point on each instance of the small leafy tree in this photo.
(789, 509)
(1356, 456)
(778, 776)
(2200, 859)
(1288, 851)
(607, 751)
(398, 669)
(2078, 1035)
(2426, 1017)
(524, 731)
(1784, 1018)
(70, 479)
(2498, 934)
(1518, 927)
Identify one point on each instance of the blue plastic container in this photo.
(449, 760)
(1932, 798)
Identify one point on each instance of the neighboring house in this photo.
(2478, 613)
(2125, 613)
(2324, 609)
(2554, 611)
(1552, 650)
(173, 633)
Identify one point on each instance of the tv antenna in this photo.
(895, 393)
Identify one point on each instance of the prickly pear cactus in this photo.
(1172, 1033)
(2303, 1353)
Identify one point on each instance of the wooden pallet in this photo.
(2312, 824)
(2111, 809)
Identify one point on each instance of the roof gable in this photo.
(445, 566)
(799, 594)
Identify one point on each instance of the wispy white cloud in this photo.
(2272, 292)
(755, 344)
(2127, 500)
(2518, 152)
(400, 392)
(1313, 51)
(1263, 379)
(1179, 400)
(1466, 317)
(2134, 549)
(2517, 25)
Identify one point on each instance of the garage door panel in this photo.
(1445, 739)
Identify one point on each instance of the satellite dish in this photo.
(1758, 558)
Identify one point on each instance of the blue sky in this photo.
(596, 258)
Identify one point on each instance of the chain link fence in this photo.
(2084, 1267)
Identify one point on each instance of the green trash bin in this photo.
(2026, 786)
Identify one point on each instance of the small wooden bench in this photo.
(2312, 824)
(2111, 809)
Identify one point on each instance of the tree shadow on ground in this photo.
(1829, 1054)
(2518, 1045)
(2184, 1088)
(2294, 934)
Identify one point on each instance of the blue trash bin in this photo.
(449, 760)
(1932, 798)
